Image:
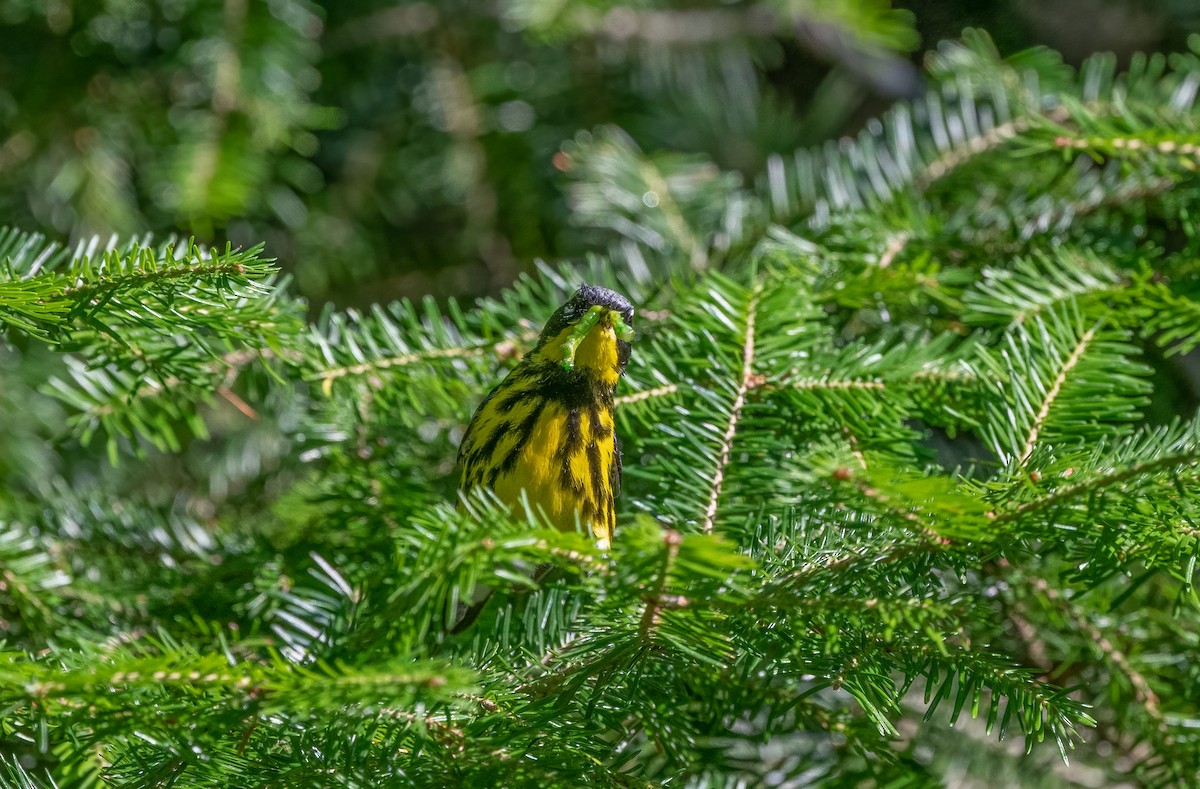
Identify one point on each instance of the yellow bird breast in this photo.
(565, 468)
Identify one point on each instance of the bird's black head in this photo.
(585, 298)
(577, 308)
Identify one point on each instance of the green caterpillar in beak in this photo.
(589, 320)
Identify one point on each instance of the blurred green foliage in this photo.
(384, 149)
(380, 149)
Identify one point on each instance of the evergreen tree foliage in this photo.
(329, 130)
(910, 493)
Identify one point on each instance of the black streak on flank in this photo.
(468, 446)
(571, 443)
(600, 429)
(598, 473)
(524, 430)
(608, 512)
(481, 453)
(514, 389)
(510, 399)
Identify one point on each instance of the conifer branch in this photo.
(735, 412)
(831, 564)
(911, 519)
(106, 285)
(654, 601)
(895, 245)
(1143, 692)
(331, 374)
(833, 383)
(647, 394)
(1039, 419)
(1178, 461)
(1118, 145)
(225, 370)
(1141, 688)
(855, 448)
(955, 158)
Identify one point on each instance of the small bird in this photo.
(547, 429)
